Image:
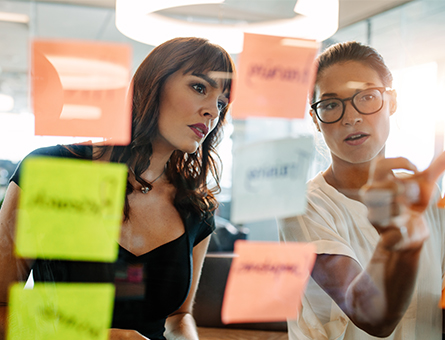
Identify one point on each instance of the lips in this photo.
(199, 129)
(356, 138)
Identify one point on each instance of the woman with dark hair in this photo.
(380, 263)
(180, 99)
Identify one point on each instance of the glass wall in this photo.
(410, 38)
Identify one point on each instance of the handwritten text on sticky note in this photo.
(274, 77)
(60, 311)
(269, 179)
(80, 88)
(70, 209)
(266, 281)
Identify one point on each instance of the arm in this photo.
(12, 269)
(376, 298)
(392, 271)
(180, 324)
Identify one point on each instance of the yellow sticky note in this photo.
(60, 311)
(70, 209)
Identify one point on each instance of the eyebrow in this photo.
(333, 94)
(211, 81)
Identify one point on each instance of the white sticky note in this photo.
(269, 179)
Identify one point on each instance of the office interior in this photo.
(408, 33)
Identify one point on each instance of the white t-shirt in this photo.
(338, 225)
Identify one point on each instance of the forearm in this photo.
(3, 320)
(181, 326)
(378, 297)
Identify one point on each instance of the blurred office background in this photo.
(408, 33)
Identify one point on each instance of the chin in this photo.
(190, 148)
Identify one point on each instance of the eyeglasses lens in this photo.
(366, 102)
(330, 110)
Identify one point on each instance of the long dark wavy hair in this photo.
(187, 172)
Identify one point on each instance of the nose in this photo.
(211, 109)
(351, 115)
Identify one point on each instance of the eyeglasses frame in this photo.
(381, 89)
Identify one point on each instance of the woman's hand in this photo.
(395, 204)
(125, 334)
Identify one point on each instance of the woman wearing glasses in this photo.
(370, 280)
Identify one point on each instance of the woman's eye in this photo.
(221, 105)
(367, 98)
(200, 88)
(328, 106)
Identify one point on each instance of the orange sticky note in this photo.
(82, 89)
(442, 300)
(274, 77)
(441, 203)
(266, 281)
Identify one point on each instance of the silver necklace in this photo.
(145, 190)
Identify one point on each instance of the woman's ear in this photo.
(314, 119)
(392, 102)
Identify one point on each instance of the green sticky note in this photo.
(60, 311)
(70, 209)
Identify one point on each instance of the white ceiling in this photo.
(94, 20)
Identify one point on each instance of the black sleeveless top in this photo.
(149, 287)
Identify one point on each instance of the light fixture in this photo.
(145, 21)
(88, 74)
(72, 111)
(6, 102)
(14, 17)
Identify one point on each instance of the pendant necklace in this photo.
(145, 190)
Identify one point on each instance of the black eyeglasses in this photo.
(366, 102)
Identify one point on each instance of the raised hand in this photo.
(395, 204)
(426, 181)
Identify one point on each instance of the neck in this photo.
(158, 161)
(347, 178)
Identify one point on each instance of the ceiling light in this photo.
(6, 102)
(14, 17)
(72, 111)
(138, 20)
(89, 74)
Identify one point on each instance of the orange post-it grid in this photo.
(82, 89)
(274, 77)
(266, 281)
